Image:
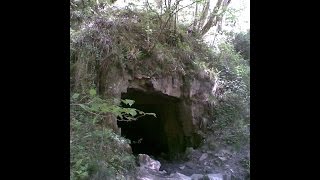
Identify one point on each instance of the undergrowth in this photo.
(231, 97)
(96, 150)
(132, 41)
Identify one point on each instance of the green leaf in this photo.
(95, 107)
(120, 115)
(89, 135)
(83, 106)
(128, 102)
(132, 112)
(105, 107)
(75, 96)
(79, 162)
(95, 119)
(84, 174)
(92, 92)
(116, 111)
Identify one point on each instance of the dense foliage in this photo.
(95, 149)
(150, 42)
(232, 97)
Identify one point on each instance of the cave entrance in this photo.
(160, 136)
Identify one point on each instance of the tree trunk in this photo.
(195, 18)
(214, 16)
(203, 15)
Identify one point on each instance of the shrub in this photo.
(95, 149)
(232, 96)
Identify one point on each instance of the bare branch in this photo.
(159, 17)
(204, 14)
(214, 16)
(185, 7)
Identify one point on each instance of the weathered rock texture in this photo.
(192, 102)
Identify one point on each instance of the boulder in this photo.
(147, 162)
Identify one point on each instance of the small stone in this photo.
(190, 165)
(196, 176)
(215, 176)
(146, 161)
(210, 152)
(203, 156)
(189, 150)
(231, 170)
(207, 169)
(205, 177)
(222, 158)
(212, 145)
(224, 151)
(182, 167)
(182, 176)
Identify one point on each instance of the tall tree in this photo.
(215, 16)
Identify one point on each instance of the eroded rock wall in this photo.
(194, 107)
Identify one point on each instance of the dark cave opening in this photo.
(160, 136)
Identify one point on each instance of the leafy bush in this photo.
(241, 43)
(96, 149)
(132, 40)
(232, 96)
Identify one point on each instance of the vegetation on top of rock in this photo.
(146, 41)
(150, 42)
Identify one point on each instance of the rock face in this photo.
(193, 104)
